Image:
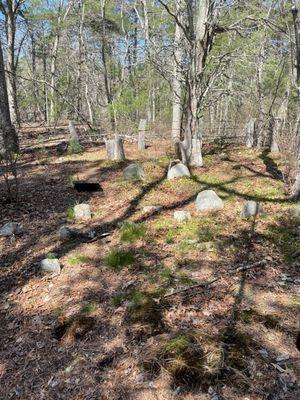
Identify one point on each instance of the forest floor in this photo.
(99, 330)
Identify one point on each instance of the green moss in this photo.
(88, 308)
(118, 259)
(78, 259)
(131, 232)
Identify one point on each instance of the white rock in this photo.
(151, 208)
(177, 171)
(251, 209)
(50, 265)
(82, 211)
(182, 215)
(11, 228)
(208, 200)
(133, 173)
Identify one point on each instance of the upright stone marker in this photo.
(250, 129)
(73, 133)
(142, 133)
(115, 149)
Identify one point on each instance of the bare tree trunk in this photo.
(8, 136)
(10, 16)
(177, 90)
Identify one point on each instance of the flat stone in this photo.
(11, 228)
(295, 211)
(182, 215)
(65, 233)
(133, 173)
(82, 211)
(251, 209)
(208, 200)
(177, 171)
(151, 208)
(50, 265)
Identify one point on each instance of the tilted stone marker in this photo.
(82, 211)
(133, 173)
(208, 200)
(177, 171)
(142, 133)
(251, 209)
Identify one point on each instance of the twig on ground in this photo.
(206, 285)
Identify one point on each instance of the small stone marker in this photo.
(133, 173)
(182, 216)
(115, 149)
(151, 208)
(295, 211)
(50, 265)
(11, 228)
(142, 131)
(251, 209)
(177, 171)
(82, 211)
(65, 233)
(73, 133)
(208, 200)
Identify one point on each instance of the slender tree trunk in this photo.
(8, 136)
(177, 89)
(11, 62)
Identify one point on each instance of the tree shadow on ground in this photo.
(271, 166)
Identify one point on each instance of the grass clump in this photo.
(74, 147)
(88, 308)
(70, 213)
(132, 232)
(118, 259)
(78, 259)
(190, 358)
(143, 308)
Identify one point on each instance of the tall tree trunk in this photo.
(296, 17)
(177, 89)
(8, 136)
(11, 15)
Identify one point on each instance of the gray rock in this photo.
(65, 233)
(82, 211)
(182, 215)
(177, 171)
(251, 209)
(295, 211)
(11, 228)
(50, 265)
(133, 173)
(208, 200)
(151, 208)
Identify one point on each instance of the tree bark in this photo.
(8, 136)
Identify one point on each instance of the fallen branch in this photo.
(206, 285)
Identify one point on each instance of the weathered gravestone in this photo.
(133, 173)
(82, 211)
(251, 209)
(208, 200)
(50, 265)
(142, 132)
(177, 171)
(182, 216)
(115, 148)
